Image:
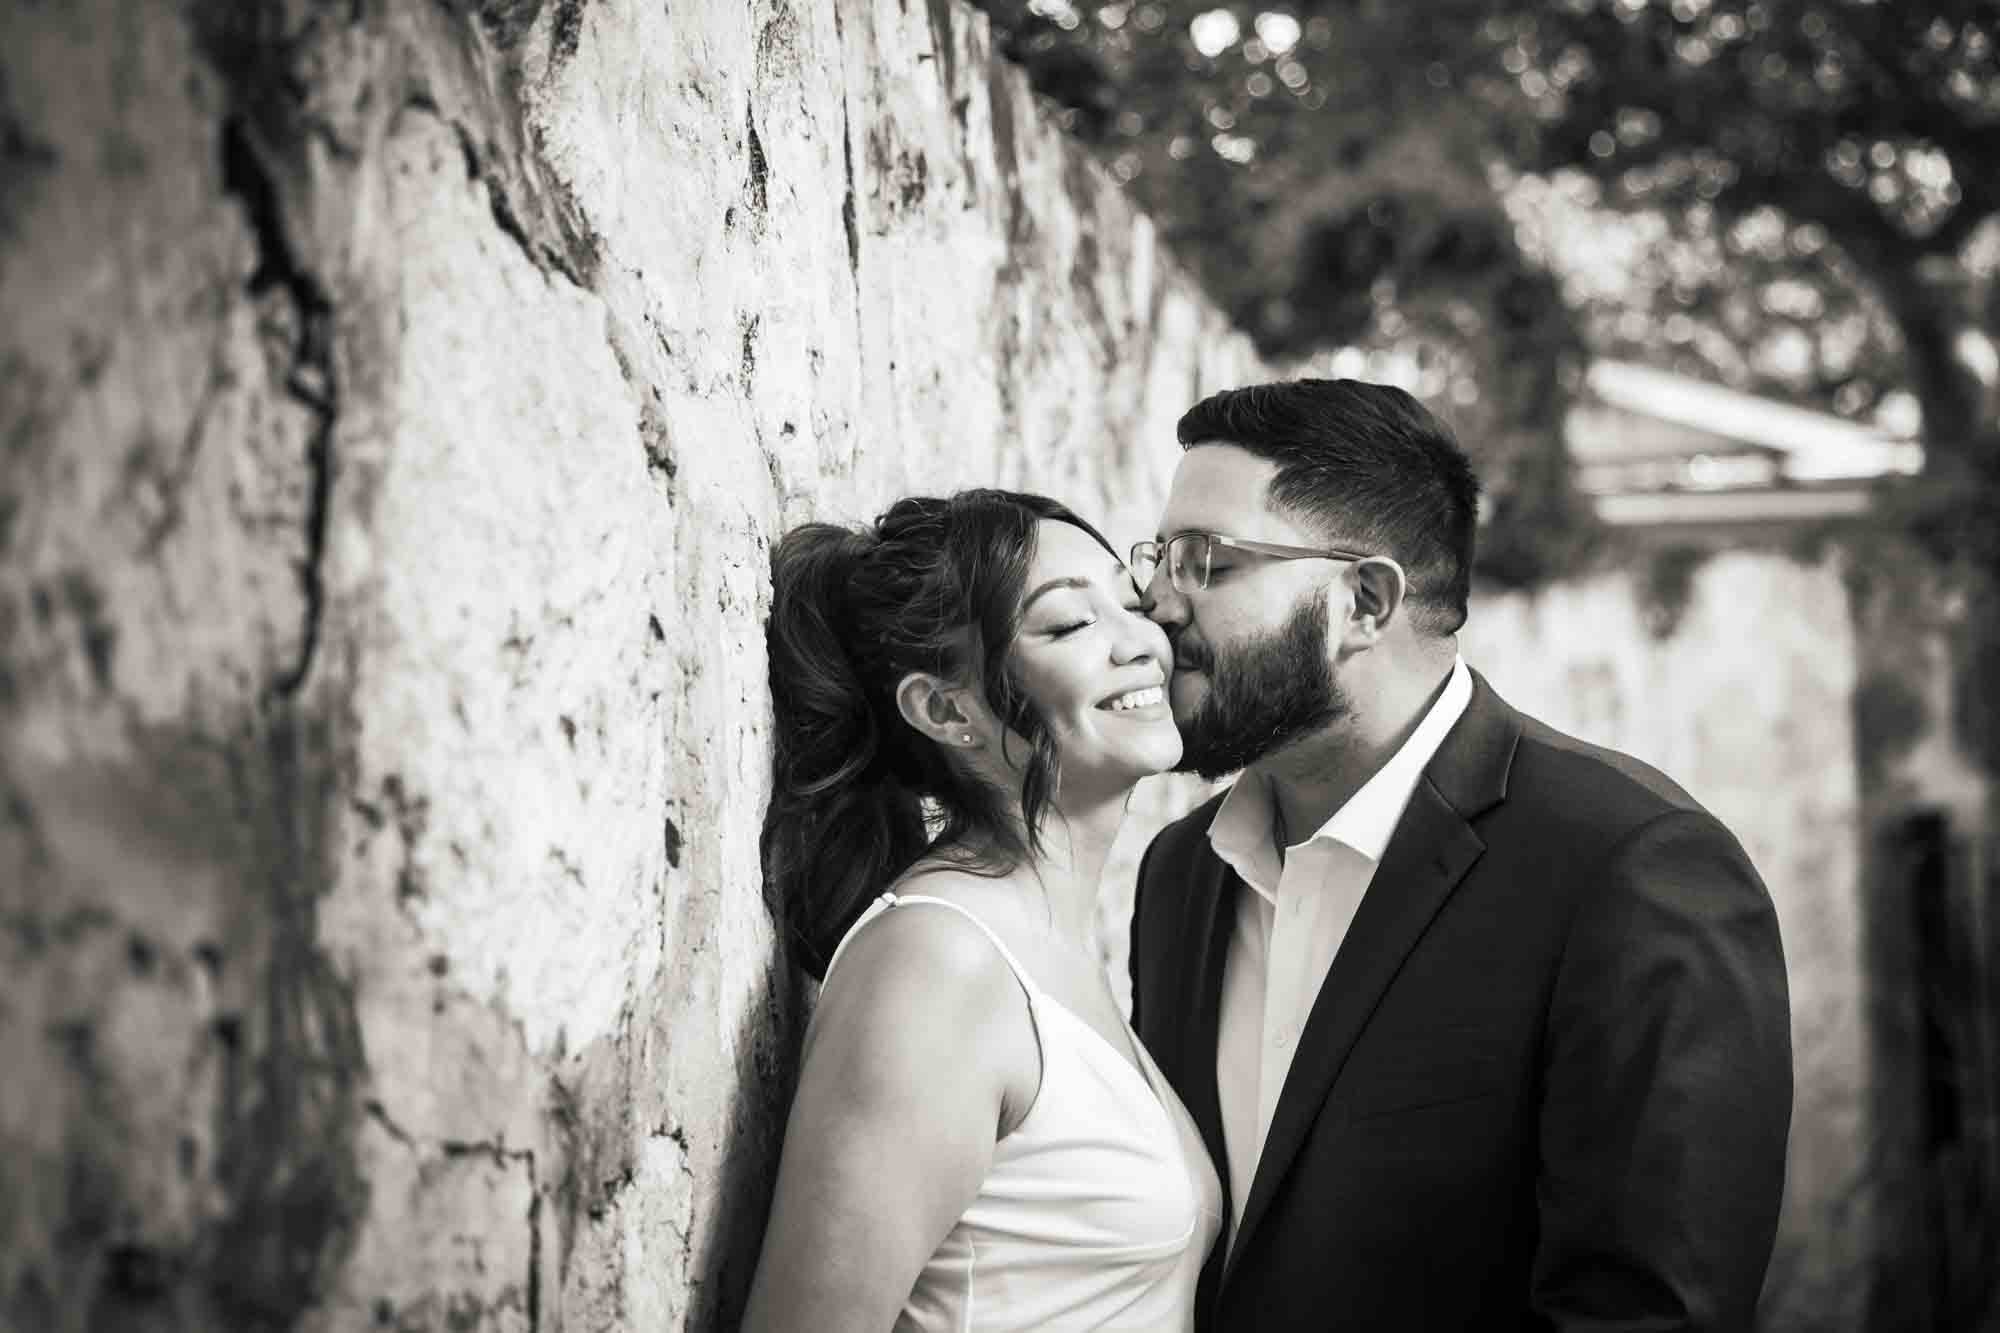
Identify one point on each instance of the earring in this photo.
(967, 738)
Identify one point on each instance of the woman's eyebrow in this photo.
(1070, 582)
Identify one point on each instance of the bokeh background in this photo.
(398, 400)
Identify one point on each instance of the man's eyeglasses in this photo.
(1190, 557)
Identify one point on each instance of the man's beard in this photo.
(1262, 695)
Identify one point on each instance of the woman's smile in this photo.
(1145, 698)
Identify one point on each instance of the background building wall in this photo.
(399, 402)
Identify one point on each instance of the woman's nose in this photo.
(1139, 640)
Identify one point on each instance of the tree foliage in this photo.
(1801, 197)
(1305, 165)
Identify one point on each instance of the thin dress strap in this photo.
(889, 900)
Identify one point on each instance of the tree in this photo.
(1856, 144)
(1329, 198)
(1815, 187)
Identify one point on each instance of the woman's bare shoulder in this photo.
(917, 964)
(917, 944)
(919, 1005)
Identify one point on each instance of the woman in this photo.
(965, 696)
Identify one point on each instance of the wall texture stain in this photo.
(395, 427)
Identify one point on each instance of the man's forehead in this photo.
(1220, 487)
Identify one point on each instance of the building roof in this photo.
(1812, 446)
(1665, 452)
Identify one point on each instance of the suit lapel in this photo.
(1432, 849)
(1207, 950)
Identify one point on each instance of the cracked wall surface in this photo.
(398, 400)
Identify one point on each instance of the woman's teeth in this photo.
(1152, 694)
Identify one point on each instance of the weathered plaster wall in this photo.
(398, 400)
(1928, 806)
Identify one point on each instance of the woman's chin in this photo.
(1166, 758)
(1141, 761)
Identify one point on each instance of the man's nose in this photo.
(1165, 603)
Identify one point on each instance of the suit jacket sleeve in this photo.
(1667, 1090)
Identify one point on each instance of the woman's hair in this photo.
(859, 795)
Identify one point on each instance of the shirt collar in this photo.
(1243, 832)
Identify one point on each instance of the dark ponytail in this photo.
(858, 795)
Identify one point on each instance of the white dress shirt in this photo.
(1290, 924)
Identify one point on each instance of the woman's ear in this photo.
(936, 709)
(1380, 589)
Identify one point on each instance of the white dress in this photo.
(1100, 1207)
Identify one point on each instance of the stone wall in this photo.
(398, 401)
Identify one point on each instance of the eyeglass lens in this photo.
(1187, 561)
(1186, 558)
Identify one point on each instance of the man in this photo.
(1486, 1028)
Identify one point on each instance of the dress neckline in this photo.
(1134, 1066)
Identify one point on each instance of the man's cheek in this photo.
(1185, 693)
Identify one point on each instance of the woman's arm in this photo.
(921, 1049)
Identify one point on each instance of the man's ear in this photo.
(1380, 590)
(934, 707)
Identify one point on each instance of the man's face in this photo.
(1253, 669)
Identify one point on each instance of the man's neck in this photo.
(1317, 774)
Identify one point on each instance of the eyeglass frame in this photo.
(1276, 550)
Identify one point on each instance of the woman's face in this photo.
(1093, 665)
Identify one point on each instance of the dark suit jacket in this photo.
(1547, 1081)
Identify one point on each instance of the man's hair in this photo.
(1369, 467)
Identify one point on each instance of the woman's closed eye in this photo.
(1070, 627)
